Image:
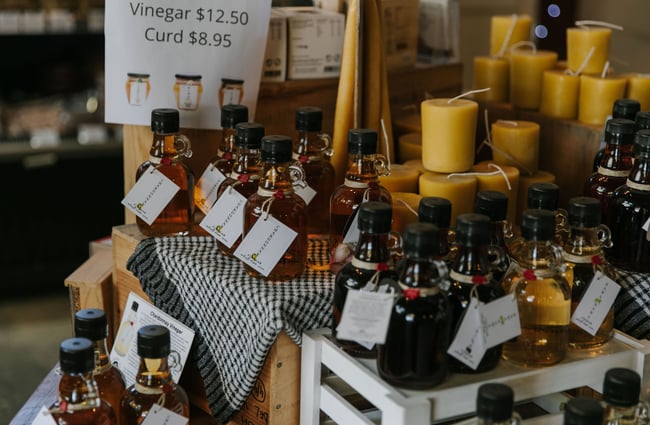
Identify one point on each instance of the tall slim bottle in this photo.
(621, 391)
(495, 205)
(437, 211)
(623, 108)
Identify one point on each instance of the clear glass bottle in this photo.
(414, 354)
(78, 400)
(166, 155)
(583, 411)
(495, 205)
(153, 382)
(361, 184)
(623, 108)
(471, 273)
(276, 197)
(245, 174)
(583, 255)
(542, 293)
(494, 405)
(437, 211)
(91, 323)
(546, 196)
(621, 390)
(615, 164)
(312, 150)
(369, 265)
(231, 115)
(629, 211)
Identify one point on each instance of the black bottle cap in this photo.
(153, 342)
(538, 225)
(583, 411)
(275, 149)
(584, 212)
(621, 387)
(233, 114)
(642, 143)
(375, 217)
(77, 355)
(494, 402)
(543, 196)
(249, 135)
(620, 131)
(362, 141)
(642, 120)
(626, 108)
(493, 204)
(165, 120)
(91, 323)
(473, 229)
(435, 210)
(309, 118)
(421, 240)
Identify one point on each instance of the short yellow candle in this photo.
(580, 40)
(491, 72)
(487, 179)
(638, 88)
(597, 95)
(448, 134)
(526, 70)
(460, 190)
(560, 94)
(409, 146)
(401, 179)
(524, 182)
(416, 164)
(516, 144)
(405, 210)
(517, 25)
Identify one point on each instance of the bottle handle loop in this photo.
(183, 146)
(381, 165)
(326, 149)
(604, 236)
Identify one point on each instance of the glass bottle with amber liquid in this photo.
(415, 352)
(543, 295)
(153, 382)
(231, 115)
(623, 108)
(437, 211)
(615, 164)
(629, 213)
(245, 174)
(275, 197)
(312, 150)
(583, 255)
(621, 391)
(91, 323)
(166, 156)
(546, 196)
(471, 275)
(361, 184)
(369, 268)
(495, 205)
(78, 401)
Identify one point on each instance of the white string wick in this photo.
(408, 207)
(506, 39)
(484, 173)
(583, 64)
(385, 134)
(488, 136)
(586, 23)
(509, 122)
(467, 93)
(605, 69)
(503, 173)
(524, 44)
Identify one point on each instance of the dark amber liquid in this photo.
(111, 387)
(319, 175)
(102, 415)
(246, 189)
(538, 346)
(73, 390)
(602, 188)
(629, 210)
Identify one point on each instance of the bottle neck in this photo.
(498, 230)
(309, 147)
(640, 173)
(617, 157)
(361, 168)
(78, 391)
(583, 241)
(227, 143)
(102, 361)
(163, 146)
(372, 247)
(534, 254)
(422, 273)
(247, 161)
(153, 374)
(276, 177)
(471, 260)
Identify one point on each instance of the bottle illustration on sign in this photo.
(126, 332)
(188, 90)
(137, 88)
(231, 91)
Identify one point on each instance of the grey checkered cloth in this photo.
(632, 307)
(236, 317)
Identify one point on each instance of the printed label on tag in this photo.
(44, 417)
(351, 235)
(596, 302)
(207, 187)
(469, 345)
(306, 192)
(150, 195)
(501, 318)
(225, 221)
(159, 415)
(275, 238)
(365, 317)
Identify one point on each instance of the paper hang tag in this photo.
(351, 231)
(225, 221)
(207, 187)
(44, 417)
(469, 344)
(306, 192)
(365, 317)
(646, 227)
(159, 415)
(275, 238)
(501, 319)
(150, 195)
(596, 303)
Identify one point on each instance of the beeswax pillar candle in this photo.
(597, 95)
(516, 27)
(560, 94)
(409, 146)
(492, 72)
(526, 70)
(516, 144)
(405, 210)
(580, 41)
(638, 88)
(401, 179)
(524, 182)
(488, 177)
(416, 164)
(459, 189)
(448, 134)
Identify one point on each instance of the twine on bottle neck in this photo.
(467, 93)
(524, 44)
(499, 170)
(506, 40)
(583, 64)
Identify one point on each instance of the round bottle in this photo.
(621, 390)
(437, 211)
(495, 205)
(583, 411)
(494, 405)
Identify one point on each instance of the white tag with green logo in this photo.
(150, 195)
(596, 303)
(501, 319)
(265, 244)
(469, 345)
(306, 192)
(44, 417)
(225, 221)
(207, 187)
(365, 317)
(159, 415)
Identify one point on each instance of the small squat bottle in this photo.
(546, 196)
(583, 411)
(494, 405)
(231, 115)
(621, 390)
(153, 382)
(91, 323)
(495, 205)
(166, 155)
(78, 401)
(437, 211)
(414, 354)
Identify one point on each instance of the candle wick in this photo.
(513, 123)
(586, 23)
(605, 69)
(408, 207)
(506, 39)
(385, 134)
(503, 173)
(473, 173)
(467, 93)
(524, 44)
(585, 61)
(510, 158)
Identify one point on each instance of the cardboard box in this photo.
(400, 22)
(274, 68)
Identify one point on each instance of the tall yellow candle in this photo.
(405, 209)
(516, 27)
(526, 70)
(460, 190)
(597, 95)
(401, 179)
(409, 146)
(516, 144)
(492, 72)
(580, 41)
(524, 182)
(416, 164)
(488, 177)
(638, 88)
(560, 94)
(448, 134)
